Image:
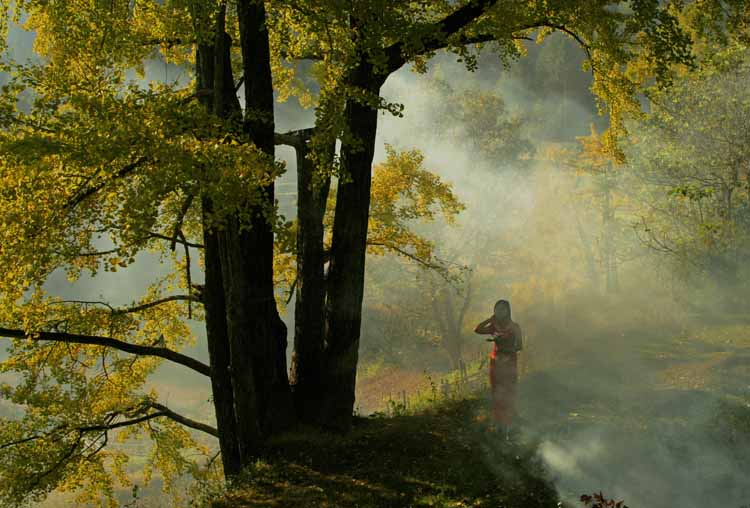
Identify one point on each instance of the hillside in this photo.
(638, 415)
(449, 456)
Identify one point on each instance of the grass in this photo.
(449, 456)
(662, 405)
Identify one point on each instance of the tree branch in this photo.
(293, 138)
(158, 236)
(187, 422)
(118, 425)
(188, 275)
(136, 308)
(154, 303)
(86, 193)
(239, 84)
(161, 411)
(127, 347)
(435, 39)
(575, 36)
(168, 43)
(292, 289)
(180, 219)
(152, 234)
(407, 254)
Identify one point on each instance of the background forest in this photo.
(625, 266)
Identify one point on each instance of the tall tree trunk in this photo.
(238, 288)
(260, 333)
(219, 353)
(347, 263)
(247, 339)
(213, 295)
(309, 311)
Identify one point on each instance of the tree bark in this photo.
(345, 284)
(213, 294)
(247, 339)
(347, 264)
(309, 311)
(219, 353)
(260, 334)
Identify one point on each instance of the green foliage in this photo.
(404, 193)
(99, 164)
(689, 163)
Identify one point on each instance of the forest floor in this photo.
(448, 456)
(658, 422)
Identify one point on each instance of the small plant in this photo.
(597, 500)
(396, 407)
(433, 387)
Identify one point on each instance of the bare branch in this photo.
(154, 303)
(188, 275)
(127, 347)
(66, 456)
(119, 425)
(21, 441)
(575, 36)
(239, 84)
(292, 289)
(168, 43)
(96, 253)
(413, 257)
(161, 411)
(136, 308)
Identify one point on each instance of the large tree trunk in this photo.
(257, 336)
(347, 263)
(277, 413)
(308, 358)
(213, 299)
(247, 339)
(219, 354)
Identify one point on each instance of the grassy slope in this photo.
(657, 404)
(449, 457)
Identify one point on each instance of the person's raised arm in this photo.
(485, 327)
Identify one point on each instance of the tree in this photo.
(601, 183)
(403, 194)
(482, 120)
(98, 167)
(107, 168)
(692, 174)
(366, 44)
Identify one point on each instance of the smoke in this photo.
(611, 381)
(625, 390)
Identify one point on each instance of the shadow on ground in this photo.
(450, 456)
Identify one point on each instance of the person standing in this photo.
(508, 341)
